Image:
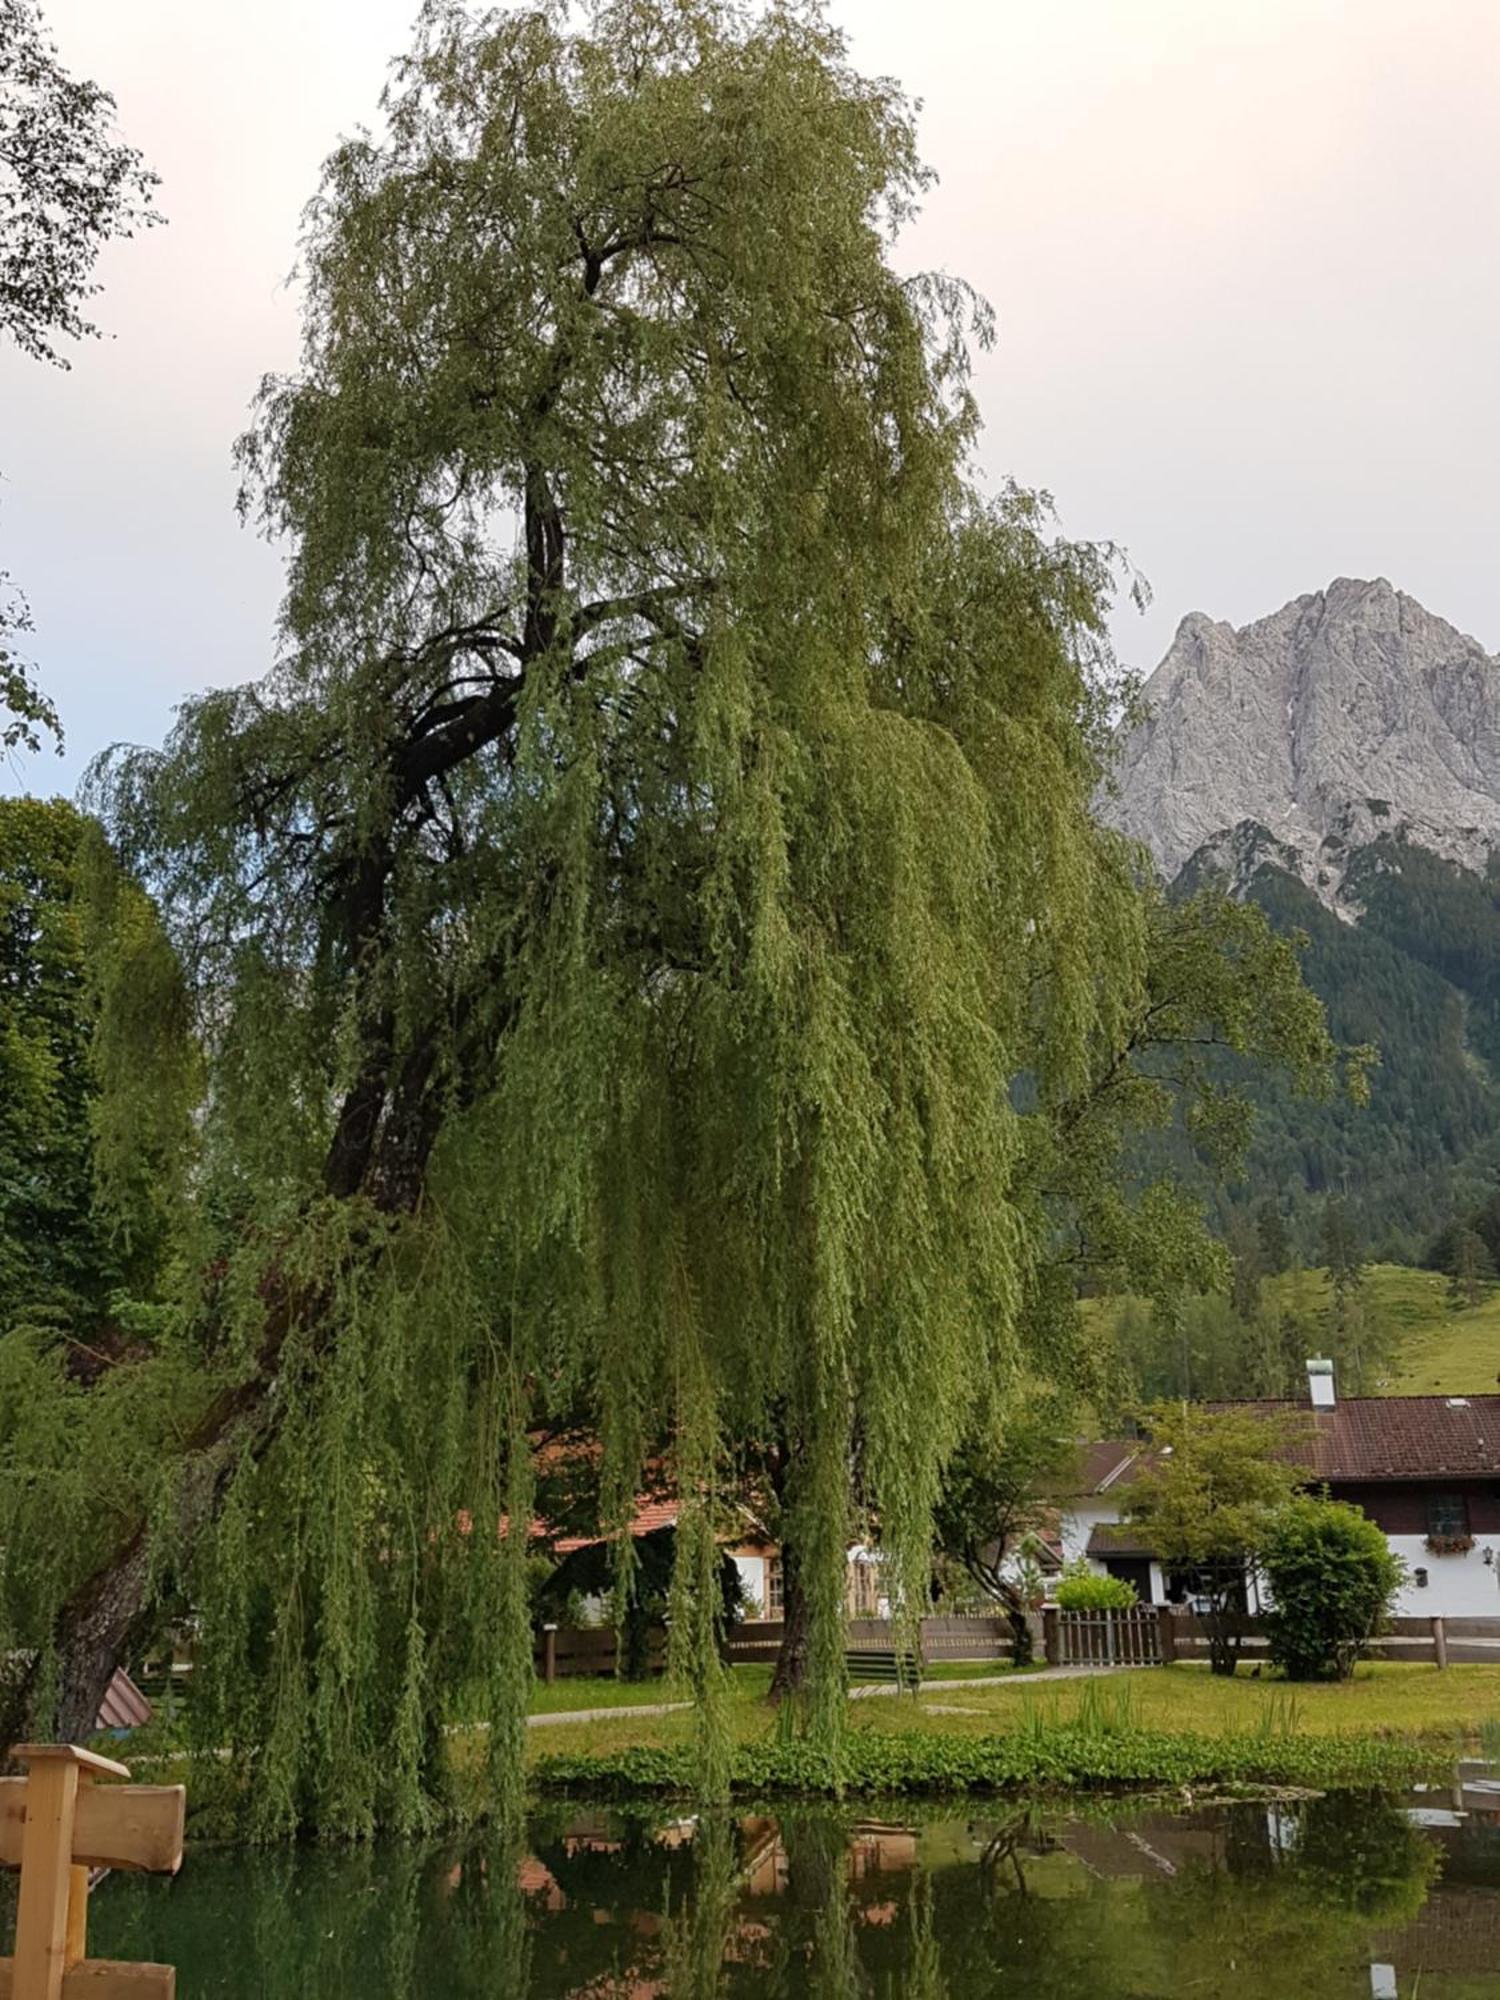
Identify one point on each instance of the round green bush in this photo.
(1332, 1579)
(1084, 1589)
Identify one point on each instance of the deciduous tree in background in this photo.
(1207, 1500)
(71, 929)
(994, 1493)
(67, 185)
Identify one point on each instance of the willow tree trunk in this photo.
(108, 1616)
(790, 1675)
(380, 1148)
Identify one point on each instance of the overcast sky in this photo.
(1242, 254)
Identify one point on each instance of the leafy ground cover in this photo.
(1168, 1727)
(1061, 1757)
(1160, 1726)
(1156, 1728)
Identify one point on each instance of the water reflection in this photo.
(1344, 1896)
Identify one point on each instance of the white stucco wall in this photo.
(1463, 1586)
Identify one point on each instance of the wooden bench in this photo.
(56, 1824)
(884, 1663)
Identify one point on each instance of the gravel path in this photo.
(604, 1714)
(869, 1693)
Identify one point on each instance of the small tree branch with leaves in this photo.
(1207, 1500)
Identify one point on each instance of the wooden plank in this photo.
(115, 1826)
(76, 1944)
(42, 1907)
(103, 1979)
(69, 1753)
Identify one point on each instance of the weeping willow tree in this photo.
(616, 921)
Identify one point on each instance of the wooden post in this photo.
(1051, 1636)
(55, 1825)
(42, 1926)
(549, 1654)
(1166, 1625)
(1440, 1642)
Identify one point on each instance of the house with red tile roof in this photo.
(1425, 1469)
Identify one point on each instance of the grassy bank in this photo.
(1163, 1728)
(1383, 1699)
(1174, 1726)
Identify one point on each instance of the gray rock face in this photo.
(1346, 715)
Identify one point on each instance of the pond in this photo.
(1320, 1899)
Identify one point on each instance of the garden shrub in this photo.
(1332, 1578)
(1084, 1589)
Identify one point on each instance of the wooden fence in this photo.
(563, 1651)
(1146, 1635)
(1431, 1641)
(758, 1640)
(1151, 1635)
(1139, 1637)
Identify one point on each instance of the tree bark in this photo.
(790, 1676)
(100, 1622)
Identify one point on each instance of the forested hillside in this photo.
(1417, 977)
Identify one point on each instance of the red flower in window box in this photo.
(1450, 1545)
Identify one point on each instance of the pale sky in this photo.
(1242, 254)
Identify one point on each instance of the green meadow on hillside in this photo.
(1437, 1350)
(1441, 1351)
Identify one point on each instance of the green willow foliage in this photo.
(617, 921)
(90, 1167)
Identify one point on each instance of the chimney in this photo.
(1320, 1382)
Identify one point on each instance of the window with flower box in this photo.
(1448, 1524)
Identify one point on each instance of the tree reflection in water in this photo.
(605, 1905)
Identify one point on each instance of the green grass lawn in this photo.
(968, 1670)
(1384, 1699)
(747, 1684)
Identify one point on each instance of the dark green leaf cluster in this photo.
(1332, 1579)
(1083, 1589)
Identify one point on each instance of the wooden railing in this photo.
(56, 1824)
(1145, 1635)
(1181, 1635)
(562, 1651)
(1139, 1637)
(758, 1640)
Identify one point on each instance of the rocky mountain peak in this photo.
(1348, 714)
